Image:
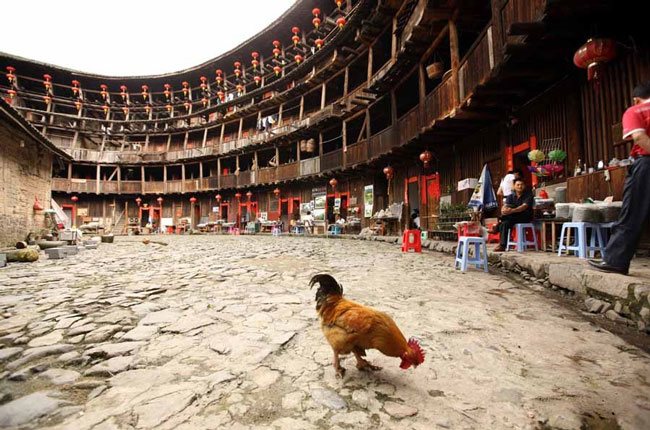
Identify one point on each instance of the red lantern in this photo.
(295, 30)
(159, 200)
(125, 109)
(222, 96)
(237, 70)
(138, 201)
(104, 93)
(257, 80)
(277, 70)
(78, 105)
(298, 59)
(47, 99)
(192, 199)
(238, 195)
(316, 21)
(340, 22)
(249, 195)
(338, 3)
(276, 191)
(240, 89)
(147, 109)
(594, 53)
(37, 205)
(218, 78)
(319, 43)
(204, 101)
(47, 82)
(106, 108)
(204, 84)
(169, 108)
(145, 88)
(11, 76)
(388, 171)
(426, 158)
(296, 39)
(187, 106)
(276, 48)
(74, 199)
(167, 92)
(334, 182)
(12, 93)
(75, 87)
(218, 197)
(185, 88)
(254, 61)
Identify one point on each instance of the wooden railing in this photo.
(83, 186)
(288, 171)
(244, 178)
(228, 181)
(440, 102)
(191, 185)
(332, 160)
(174, 186)
(310, 166)
(409, 125)
(109, 187)
(157, 187)
(382, 142)
(357, 153)
(476, 66)
(60, 184)
(131, 187)
(266, 176)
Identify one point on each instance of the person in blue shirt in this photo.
(517, 209)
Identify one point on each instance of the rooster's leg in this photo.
(363, 364)
(340, 371)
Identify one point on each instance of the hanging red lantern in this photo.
(192, 199)
(78, 105)
(204, 100)
(167, 92)
(298, 59)
(106, 109)
(47, 83)
(204, 84)
(47, 99)
(219, 78)
(334, 182)
(295, 30)
(426, 158)
(104, 93)
(125, 109)
(388, 171)
(296, 40)
(169, 107)
(340, 22)
(249, 195)
(255, 62)
(319, 43)
(277, 70)
(123, 93)
(185, 88)
(218, 197)
(11, 76)
(145, 88)
(316, 21)
(338, 3)
(12, 93)
(138, 201)
(592, 54)
(75, 86)
(276, 191)
(238, 195)
(187, 106)
(159, 200)
(257, 80)
(222, 96)
(276, 48)
(74, 199)
(237, 70)
(147, 109)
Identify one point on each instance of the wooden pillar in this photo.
(98, 182)
(320, 144)
(369, 63)
(323, 96)
(422, 86)
(205, 137)
(257, 166)
(165, 178)
(346, 79)
(455, 62)
(119, 179)
(280, 115)
(298, 151)
(142, 178)
(219, 173)
(497, 31)
(200, 173)
(241, 125)
(393, 45)
(183, 178)
(302, 107)
(393, 108)
(223, 130)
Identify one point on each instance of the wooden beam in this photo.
(455, 62)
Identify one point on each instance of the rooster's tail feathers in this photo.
(327, 286)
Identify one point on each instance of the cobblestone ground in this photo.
(220, 332)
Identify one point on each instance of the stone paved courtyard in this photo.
(220, 332)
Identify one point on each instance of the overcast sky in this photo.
(134, 37)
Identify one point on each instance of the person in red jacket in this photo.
(636, 203)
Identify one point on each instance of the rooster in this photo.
(353, 328)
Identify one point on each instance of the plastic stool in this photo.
(462, 253)
(275, 231)
(521, 242)
(493, 237)
(424, 235)
(333, 229)
(235, 231)
(581, 247)
(411, 240)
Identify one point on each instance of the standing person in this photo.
(636, 204)
(517, 209)
(506, 186)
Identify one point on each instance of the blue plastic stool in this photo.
(522, 243)
(462, 253)
(580, 246)
(333, 229)
(275, 231)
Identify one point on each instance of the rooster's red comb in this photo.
(417, 350)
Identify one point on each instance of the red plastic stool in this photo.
(411, 240)
(493, 237)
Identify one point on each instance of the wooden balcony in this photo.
(519, 11)
(154, 187)
(476, 66)
(83, 186)
(288, 171)
(191, 185)
(357, 153)
(60, 184)
(409, 125)
(266, 176)
(245, 178)
(440, 102)
(332, 160)
(381, 142)
(174, 187)
(228, 181)
(131, 187)
(109, 187)
(310, 166)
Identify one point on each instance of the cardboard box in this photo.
(468, 183)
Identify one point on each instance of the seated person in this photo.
(308, 219)
(517, 209)
(415, 220)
